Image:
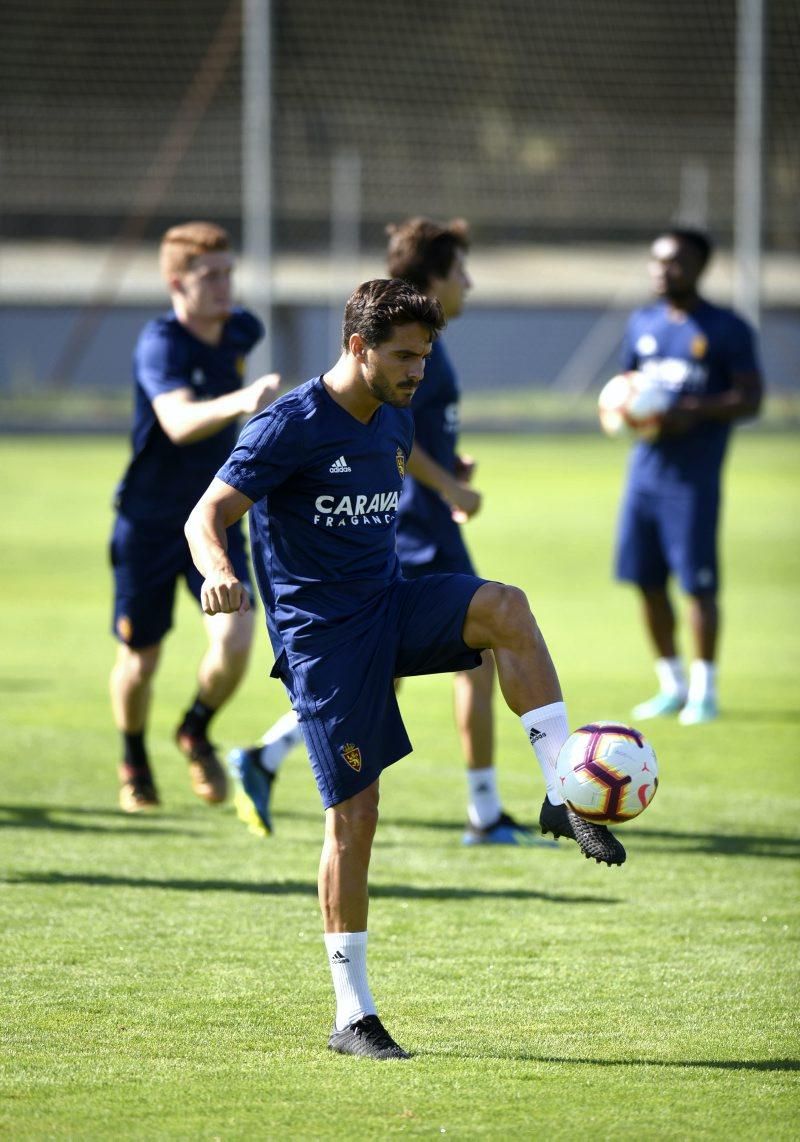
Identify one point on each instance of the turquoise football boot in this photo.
(661, 706)
(695, 713)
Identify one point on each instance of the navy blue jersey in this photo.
(693, 354)
(325, 489)
(426, 530)
(163, 480)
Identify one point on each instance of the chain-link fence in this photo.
(582, 119)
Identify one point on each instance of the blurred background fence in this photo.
(567, 134)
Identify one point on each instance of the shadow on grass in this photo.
(698, 1064)
(24, 685)
(760, 717)
(297, 888)
(664, 840)
(55, 818)
(713, 844)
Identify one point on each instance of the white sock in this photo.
(278, 740)
(347, 956)
(547, 731)
(702, 680)
(671, 677)
(484, 801)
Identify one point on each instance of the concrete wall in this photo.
(505, 347)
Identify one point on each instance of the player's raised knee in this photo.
(514, 611)
(498, 615)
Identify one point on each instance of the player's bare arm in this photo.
(743, 400)
(186, 420)
(464, 500)
(465, 468)
(205, 530)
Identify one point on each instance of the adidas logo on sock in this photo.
(340, 465)
(339, 958)
(535, 735)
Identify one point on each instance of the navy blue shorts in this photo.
(341, 681)
(147, 563)
(670, 534)
(453, 562)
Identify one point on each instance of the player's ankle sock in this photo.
(134, 752)
(347, 956)
(197, 717)
(702, 680)
(547, 731)
(285, 732)
(671, 677)
(484, 801)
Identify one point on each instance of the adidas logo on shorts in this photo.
(340, 465)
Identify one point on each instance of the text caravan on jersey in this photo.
(379, 508)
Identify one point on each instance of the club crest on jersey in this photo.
(699, 345)
(401, 463)
(647, 345)
(352, 755)
(124, 628)
(240, 363)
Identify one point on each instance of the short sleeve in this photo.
(269, 450)
(740, 344)
(246, 330)
(161, 362)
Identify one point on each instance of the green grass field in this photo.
(166, 978)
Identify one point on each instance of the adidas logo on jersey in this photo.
(340, 465)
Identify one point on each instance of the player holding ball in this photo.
(704, 358)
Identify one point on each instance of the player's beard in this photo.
(397, 395)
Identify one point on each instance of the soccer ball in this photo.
(607, 772)
(631, 402)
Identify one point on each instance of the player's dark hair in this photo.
(420, 250)
(377, 306)
(699, 241)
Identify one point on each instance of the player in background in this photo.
(188, 369)
(437, 498)
(705, 356)
(321, 473)
(436, 493)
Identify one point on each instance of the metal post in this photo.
(257, 171)
(748, 160)
(345, 236)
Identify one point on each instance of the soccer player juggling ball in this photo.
(321, 472)
(188, 370)
(437, 498)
